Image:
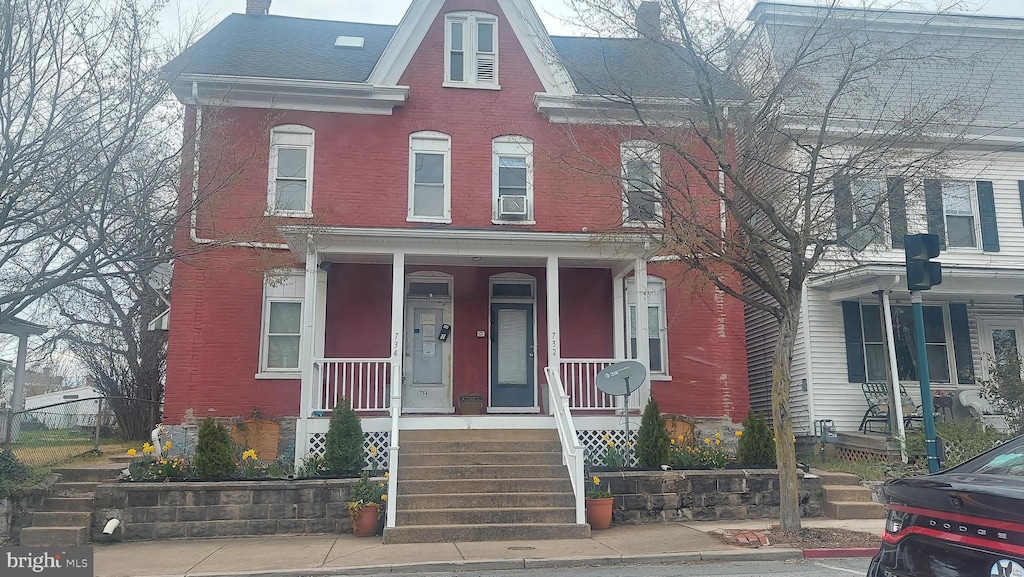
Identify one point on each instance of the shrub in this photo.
(215, 451)
(343, 447)
(1005, 388)
(756, 446)
(653, 447)
(12, 473)
(962, 440)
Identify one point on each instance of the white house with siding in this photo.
(974, 204)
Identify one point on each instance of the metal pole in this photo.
(926, 390)
(96, 434)
(625, 400)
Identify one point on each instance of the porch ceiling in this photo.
(958, 282)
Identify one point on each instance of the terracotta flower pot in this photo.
(365, 523)
(599, 512)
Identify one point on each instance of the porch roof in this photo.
(482, 247)
(957, 281)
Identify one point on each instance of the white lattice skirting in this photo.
(596, 443)
(379, 440)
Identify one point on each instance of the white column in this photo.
(18, 393)
(306, 345)
(554, 348)
(397, 323)
(643, 342)
(618, 317)
(894, 374)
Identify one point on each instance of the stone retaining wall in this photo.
(228, 509)
(223, 509)
(645, 497)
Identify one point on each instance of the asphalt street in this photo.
(798, 568)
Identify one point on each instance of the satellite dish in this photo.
(621, 379)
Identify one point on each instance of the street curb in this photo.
(835, 553)
(522, 563)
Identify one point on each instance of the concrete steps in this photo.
(65, 517)
(483, 485)
(846, 498)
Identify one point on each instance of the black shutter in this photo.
(897, 210)
(855, 367)
(961, 342)
(987, 207)
(933, 209)
(844, 208)
(1020, 187)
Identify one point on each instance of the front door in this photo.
(1002, 340)
(428, 367)
(513, 370)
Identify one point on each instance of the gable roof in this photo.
(262, 46)
(633, 67)
(283, 47)
(964, 67)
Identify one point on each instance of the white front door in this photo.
(1001, 339)
(426, 385)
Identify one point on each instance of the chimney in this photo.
(648, 19)
(261, 7)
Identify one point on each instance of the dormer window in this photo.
(471, 50)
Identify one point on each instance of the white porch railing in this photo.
(579, 377)
(572, 449)
(366, 383)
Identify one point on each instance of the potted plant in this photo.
(471, 404)
(366, 503)
(599, 504)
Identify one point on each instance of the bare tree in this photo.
(765, 152)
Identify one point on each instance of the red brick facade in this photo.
(361, 180)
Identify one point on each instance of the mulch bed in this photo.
(806, 538)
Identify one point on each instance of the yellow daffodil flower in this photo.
(707, 441)
(167, 446)
(132, 453)
(596, 480)
(739, 433)
(373, 451)
(383, 497)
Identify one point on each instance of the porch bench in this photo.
(877, 397)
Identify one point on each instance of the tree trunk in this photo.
(782, 420)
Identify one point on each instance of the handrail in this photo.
(572, 449)
(363, 381)
(396, 411)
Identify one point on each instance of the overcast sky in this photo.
(555, 13)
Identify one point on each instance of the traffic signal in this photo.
(922, 273)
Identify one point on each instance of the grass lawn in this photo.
(56, 446)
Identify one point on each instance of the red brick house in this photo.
(404, 224)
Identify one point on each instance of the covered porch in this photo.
(449, 315)
(973, 319)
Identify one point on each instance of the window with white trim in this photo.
(641, 182)
(282, 321)
(430, 188)
(290, 178)
(868, 211)
(512, 178)
(656, 325)
(936, 341)
(961, 214)
(471, 50)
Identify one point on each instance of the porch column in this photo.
(643, 341)
(618, 317)
(306, 346)
(13, 427)
(552, 304)
(894, 375)
(397, 322)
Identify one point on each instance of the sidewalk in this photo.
(347, 554)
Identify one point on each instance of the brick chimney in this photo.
(261, 7)
(648, 19)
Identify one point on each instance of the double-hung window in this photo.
(471, 50)
(641, 178)
(868, 213)
(656, 325)
(282, 322)
(430, 188)
(290, 182)
(960, 213)
(904, 340)
(512, 179)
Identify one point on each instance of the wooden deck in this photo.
(866, 446)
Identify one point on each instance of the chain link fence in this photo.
(58, 432)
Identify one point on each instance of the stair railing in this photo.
(396, 411)
(572, 449)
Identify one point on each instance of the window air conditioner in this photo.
(512, 206)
